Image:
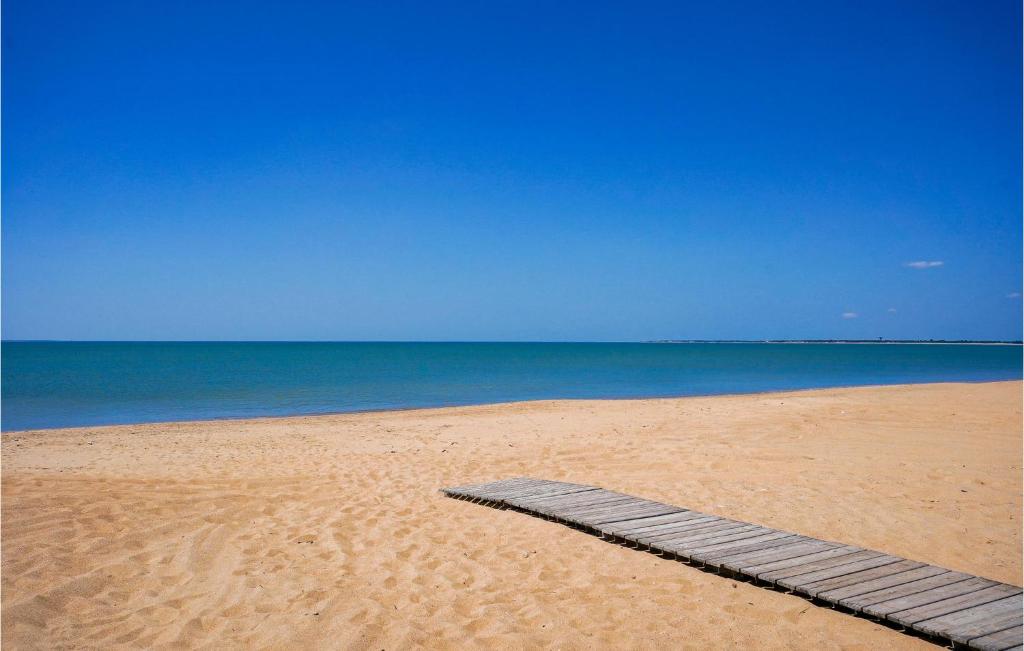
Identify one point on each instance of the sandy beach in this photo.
(329, 531)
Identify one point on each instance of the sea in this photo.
(70, 384)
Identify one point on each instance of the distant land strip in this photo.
(972, 342)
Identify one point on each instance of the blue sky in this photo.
(511, 171)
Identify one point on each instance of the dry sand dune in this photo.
(329, 532)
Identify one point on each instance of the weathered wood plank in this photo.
(797, 549)
(549, 490)
(587, 501)
(911, 616)
(953, 606)
(652, 523)
(646, 537)
(710, 524)
(591, 507)
(573, 497)
(834, 594)
(773, 576)
(697, 540)
(815, 588)
(862, 601)
(586, 493)
(703, 554)
(546, 488)
(629, 516)
(717, 558)
(705, 533)
(604, 508)
(883, 608)
(1004, 639)
(756, 570)
(616, 503)
(799, 581)
(968, 624)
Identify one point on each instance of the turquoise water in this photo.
(69, 384)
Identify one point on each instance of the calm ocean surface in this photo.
(71, 384)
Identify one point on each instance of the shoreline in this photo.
(330, 530)
(303, 415)
(825, 342)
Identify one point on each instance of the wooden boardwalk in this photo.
(952, 607)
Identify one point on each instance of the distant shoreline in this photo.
(916, 342)
(455, 406)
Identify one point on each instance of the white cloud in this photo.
(891, 310)
(1013, 295)
(923, 264)
(850, 315)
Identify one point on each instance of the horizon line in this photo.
(515, 341)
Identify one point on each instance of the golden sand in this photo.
(329, 532)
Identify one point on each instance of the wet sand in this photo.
(329, 532)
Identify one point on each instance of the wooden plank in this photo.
(653, 522)
(616, 503)
(645, 537)
(568, 500)
(567, 510)
(965, 625)
(681, 538)
(580, 504)
(575, 488)
(711, 551)
(965, 633)
(755, 570)
(626, 507)
(884, 571)
(534, 505)
(953, 606)
(547, 490)
(612, 508)
(834, 594)
(705, 533)
(698, 539)
(630, 516)
(799, 581)
(1004, 639)
(716, 558)
(588, 508)
(862, 601)
(883, 608)
(703, 520)
(712, 525)
(690, 550)
(911, 616)
(804, 547)
(573, 497)
(807, 566)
